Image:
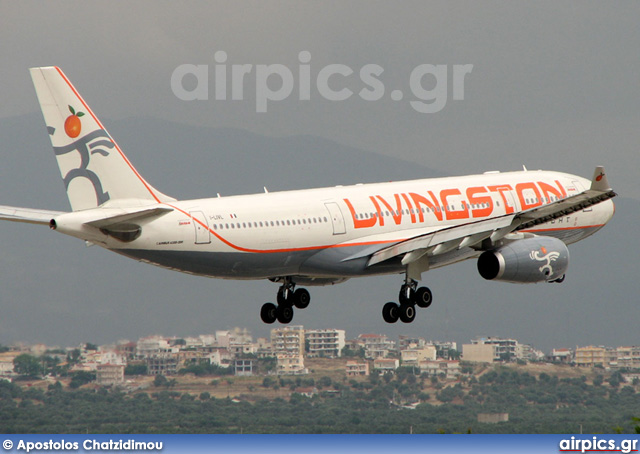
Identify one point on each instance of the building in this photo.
(288, 340)
(449, 368)
(290, 364)
(165, 364)
(376, 345)
(355, 369)
(220, 357)
(385, 365)
(590, 356)
(306, 392)
(243, 367)
(326, 343)
(628, 357)
(110, 374)
(608, 357)
(561, 355)
(505, 349)
(493, 418)
(405, 342)
(479, 353)
(412, 356)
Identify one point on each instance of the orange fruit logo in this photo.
(73, 125)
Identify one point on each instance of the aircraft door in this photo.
(203, 236)
(336, 218)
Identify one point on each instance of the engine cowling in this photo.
(537, 259)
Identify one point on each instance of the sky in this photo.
(547, 85)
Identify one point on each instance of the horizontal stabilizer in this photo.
(28, 215)
(117, 216)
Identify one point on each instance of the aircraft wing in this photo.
(29, 215)
(416, 250)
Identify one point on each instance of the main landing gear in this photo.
(287, 298)
(410, 297)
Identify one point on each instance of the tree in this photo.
(81, 378)
(324, 382)
(27, 365)
(615, 379)
(160, 380)
(74, 356)
(136, 369)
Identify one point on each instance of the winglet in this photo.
(599, 182)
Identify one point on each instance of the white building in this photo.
(290, 364)
(450, 369)
(110, 374)
(355, 369)
(412, 356)
(288, 339)
(385, 365)
(505, 349)
(326, 343)
(376, 345)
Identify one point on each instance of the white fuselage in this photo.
(322, 235)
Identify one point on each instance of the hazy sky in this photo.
(553, 86)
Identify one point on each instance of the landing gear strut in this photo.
(410, 296)
(286, 298)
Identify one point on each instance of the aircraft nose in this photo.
(608, 210)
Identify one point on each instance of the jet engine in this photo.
(536, 259)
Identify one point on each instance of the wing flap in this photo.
(443, 240)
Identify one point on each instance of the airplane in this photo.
(517, 225)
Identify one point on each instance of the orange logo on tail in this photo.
(73, 125)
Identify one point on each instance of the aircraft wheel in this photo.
(284, 314)
(284, 297)
(390, 312)
(301, 298)
(424, 297)
(407, 295)
(268, 313)
(407, 313)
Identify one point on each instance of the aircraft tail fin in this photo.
(92, 165)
